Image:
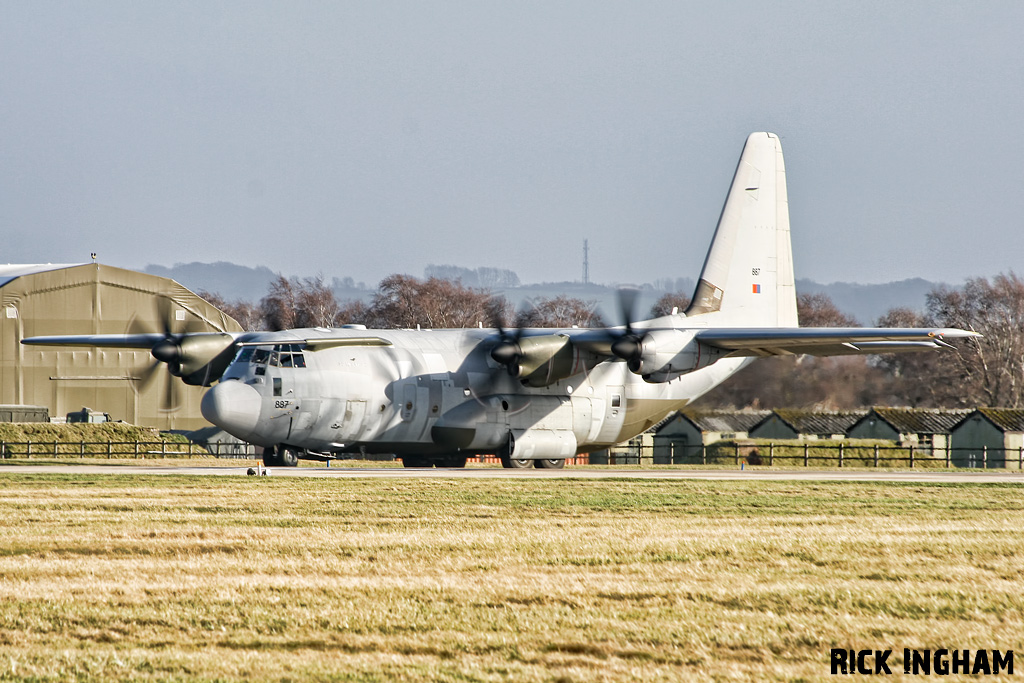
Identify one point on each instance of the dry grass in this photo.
(172, 578)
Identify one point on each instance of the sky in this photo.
(362, 139)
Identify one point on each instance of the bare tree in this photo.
(561, 311)
(818, 310)
(315, 304)
(279, 306)
(406, 301)
(989, 369)
(667, 302)
(244, 312)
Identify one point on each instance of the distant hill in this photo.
(866, 303)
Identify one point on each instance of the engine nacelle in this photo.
(545, 360)
(667, 354)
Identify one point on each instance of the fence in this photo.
(100, 449)
(805, 454)
(811, 453)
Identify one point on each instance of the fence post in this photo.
(1020, 457)
(108, 449)
(771, 454)
(910, 453)
(28, 450)
(81, 450)
(163, 449)
(136, 449)
(840, 455)
(55, 448)
(876, 455)
(736, 445)
(703, 454)
(805, 454)
(948, 455)
(984, 457)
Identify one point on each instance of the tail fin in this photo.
(747, 277)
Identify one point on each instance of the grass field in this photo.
(209, 578)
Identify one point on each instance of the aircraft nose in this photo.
(232, 406)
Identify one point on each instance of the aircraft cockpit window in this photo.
(286, 360)
(261, 356)
(274, 358)
(245, 355)
(298, 360)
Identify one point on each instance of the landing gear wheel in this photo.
(452, 461)
(289, 456)
(280, 456)
(550, 464)
(416, 461)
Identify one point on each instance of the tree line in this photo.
(978, 371)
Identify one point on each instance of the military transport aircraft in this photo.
(533, 396)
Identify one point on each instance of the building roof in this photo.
(817, 422)
(1006, 419)
(724, 420)
(13, 271)
(919, 420)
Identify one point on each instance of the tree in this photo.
(818, 310)
(315, 304)
(978, 371)
(278, 307)
(667, 302)
(561, 311)
(243, 312)
(406, 301)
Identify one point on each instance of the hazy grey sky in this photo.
(361, 139)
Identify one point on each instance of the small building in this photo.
(681, 438)
(990, 438)
(923, 429)
(805, 425)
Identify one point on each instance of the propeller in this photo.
(627, 344)
(166, 353)
(506, 351)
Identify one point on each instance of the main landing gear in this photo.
(280, 456)
(510, 463)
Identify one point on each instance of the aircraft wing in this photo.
(118, 341)
(827, 341)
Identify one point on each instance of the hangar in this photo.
(92, 298)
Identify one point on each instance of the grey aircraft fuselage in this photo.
(434, 392)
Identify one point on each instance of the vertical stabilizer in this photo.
(747, 279)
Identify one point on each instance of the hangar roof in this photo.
(12, 271)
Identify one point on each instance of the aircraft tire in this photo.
(513, 464)
(550, 463)
(415, 461)
(270, 458)
(289, 456)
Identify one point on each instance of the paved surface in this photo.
(916, 476)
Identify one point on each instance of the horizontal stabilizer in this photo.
(827, 341)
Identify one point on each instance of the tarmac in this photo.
(752, 474)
